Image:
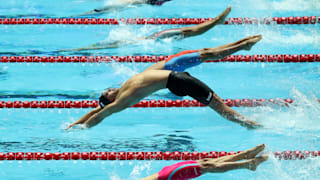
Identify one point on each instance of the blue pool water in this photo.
(157, 129)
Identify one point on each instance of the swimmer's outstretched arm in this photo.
(108, 45)
(85, 117)
(111, 8)
(126, 99)
(97, 115)
(85, 48)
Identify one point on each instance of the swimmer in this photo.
(167, 74)
(180, 33)
(192, 169)
(122, 4)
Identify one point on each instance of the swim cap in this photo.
(103, 100)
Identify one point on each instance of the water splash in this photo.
(295, 37)
(139, 169)
(290, 170)
(125, 72)
(302, 115)
(296, 5)
(122, 33)
(3, 69)
(115, 2)
(284, 5)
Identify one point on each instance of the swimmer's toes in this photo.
(255, 151)
(223, 15)
(256, 162)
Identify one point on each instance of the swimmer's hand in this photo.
(251, 124)
(70, 126)
(79, 126)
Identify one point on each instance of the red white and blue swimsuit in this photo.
(182, 60)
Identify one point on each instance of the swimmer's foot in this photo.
(251, 40)
(253, 152)
(222, 17)
(256, 161)
(249, 124)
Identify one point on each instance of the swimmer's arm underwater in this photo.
(111, 8)
(110, 45)
(84, 49)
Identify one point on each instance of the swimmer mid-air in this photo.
(122, 4)
(180, 33)
(168, 74)
(192, 169)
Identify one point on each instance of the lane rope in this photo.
(177, 155)
(278, 58)
(145, 103)
(160, 21)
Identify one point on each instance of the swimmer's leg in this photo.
(228, 49)
(217, 167)
(225, 111)
(248, 154)
(204, 27)
(152, 177)
(184, 59)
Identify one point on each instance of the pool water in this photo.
(157, 129)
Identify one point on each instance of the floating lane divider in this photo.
(278, 58)
(284, 155)
(160, 21)
(145, 103)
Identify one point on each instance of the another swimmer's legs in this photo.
(218, 52)
(228, 49)
(217, 167)
(248, 154)
(204, 27)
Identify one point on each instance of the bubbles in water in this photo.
(138, 169)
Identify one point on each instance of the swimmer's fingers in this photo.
(70, 126)
(76, 127)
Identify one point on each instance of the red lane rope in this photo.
(145, 103)
(177, 155)
(182, 21)
(278, 58)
